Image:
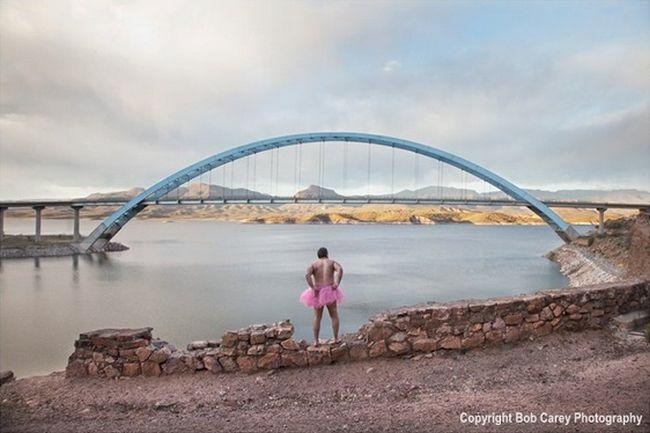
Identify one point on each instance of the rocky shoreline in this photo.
(55, 250)
(621, 252)
(583, 267)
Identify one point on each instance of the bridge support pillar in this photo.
(37, 213)
(601, 220)
(2, 222)
(76, 237)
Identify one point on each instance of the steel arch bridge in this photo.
(102, 234)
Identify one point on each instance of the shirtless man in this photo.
(323, 277)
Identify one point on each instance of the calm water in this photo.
(193, 280)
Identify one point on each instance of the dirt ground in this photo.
(589, 371)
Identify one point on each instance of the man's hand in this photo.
(309, 277)
(338, 271)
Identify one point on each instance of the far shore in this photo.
(336, 214)
(291, 222)
(59, 245)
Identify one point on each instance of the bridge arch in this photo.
(114, 222)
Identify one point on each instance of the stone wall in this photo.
(446, 326)
(471, 324)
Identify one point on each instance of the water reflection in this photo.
(103, 259)
(75, 271)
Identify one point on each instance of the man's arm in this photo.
(338, 274)
(309, 276)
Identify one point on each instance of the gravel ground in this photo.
(590, 372)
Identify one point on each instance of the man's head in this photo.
(322, 252)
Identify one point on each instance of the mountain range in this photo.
(322, 213)
(197, 191)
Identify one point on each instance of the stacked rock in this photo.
(113, 353)
(426, 328)
(253, 348)
(118, 352)
(470, 324)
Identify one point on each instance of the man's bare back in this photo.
(325, 272)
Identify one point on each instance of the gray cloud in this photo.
(105, 95)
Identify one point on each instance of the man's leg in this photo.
(334, 315)
(318, 314)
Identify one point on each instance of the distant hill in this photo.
(595, 195)
(315, 192)
(429, 192)
(205, 191)
(193, 192)
(613, 196)
(344, 214)
(115, 195)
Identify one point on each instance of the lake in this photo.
(193, 280)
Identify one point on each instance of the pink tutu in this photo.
(321, 296)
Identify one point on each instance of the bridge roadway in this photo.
(345, 200)
(78, 204)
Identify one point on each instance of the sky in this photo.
(107, 95)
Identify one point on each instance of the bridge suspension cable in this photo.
(223, 181)
(439, 183)
(368, 168)
(205, 187)
(255, 172)
(210, 184)
(295, 170)
(271, 157)
(232, 179)
(248, 166)
(277, 169)
(321, 168)
(416, 174)
(300, 166)
(462, 185)
(392, 172)
(346, 149)
(442, 181)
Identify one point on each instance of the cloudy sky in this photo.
(105, 95)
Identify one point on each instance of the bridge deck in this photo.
(343, 201)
